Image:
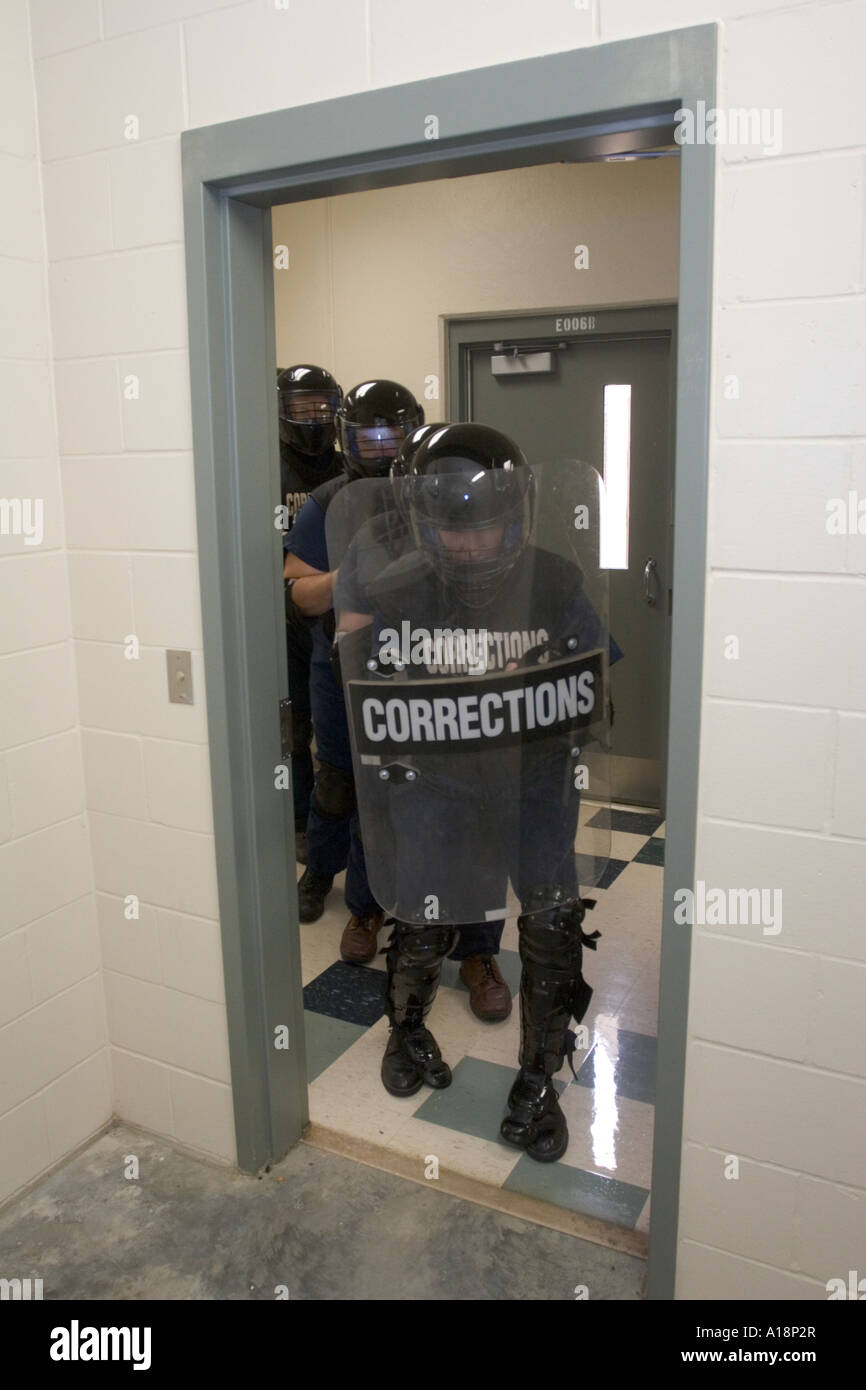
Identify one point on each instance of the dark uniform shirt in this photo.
(301, 473)
(477, 813)
(541, 600)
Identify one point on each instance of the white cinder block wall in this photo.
(54, 1067)
(776, 1071)
(115, 252)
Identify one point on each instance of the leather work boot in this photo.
(489, 995)
(300, 845)
(358, 942)
(312, 890)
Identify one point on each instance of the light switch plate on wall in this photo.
(179, 665)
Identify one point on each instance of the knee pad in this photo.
(550, 928)
(414, 965)
(551, 941)
(334, 792)
(421, 945)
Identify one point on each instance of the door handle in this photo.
(648, 569)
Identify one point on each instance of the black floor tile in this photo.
(612, 871)
(653, 852)
(347, 992)
(633, 822)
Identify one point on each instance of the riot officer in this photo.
(477, 775)
(372, 421)
(308, 398)
(477, 943)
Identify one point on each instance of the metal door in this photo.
(548, 392)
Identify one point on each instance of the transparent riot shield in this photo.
(474, 662)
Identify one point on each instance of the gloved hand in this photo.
(349, 652)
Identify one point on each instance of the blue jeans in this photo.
(334, 843)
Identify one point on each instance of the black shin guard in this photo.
(552, 992)
(414, 961)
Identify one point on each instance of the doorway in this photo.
(372, 273)
(605, 97)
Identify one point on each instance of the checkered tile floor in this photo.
(605, 1172)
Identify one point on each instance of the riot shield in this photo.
(475, 670)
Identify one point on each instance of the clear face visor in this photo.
(470, 545)
(472, 554)
(373, 447)
(300, 407)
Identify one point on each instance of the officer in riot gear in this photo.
(308, 398)
(372, 421)
(472, 781)
(477, 944)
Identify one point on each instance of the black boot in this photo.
(552, 991)
(414, 960)
(312, 891)
(534, 1121)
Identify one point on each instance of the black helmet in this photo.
(309, 397)
(404, 455)
(464, 481)
(372, 422)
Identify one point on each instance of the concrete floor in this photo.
(324, 1226)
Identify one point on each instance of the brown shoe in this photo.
(489, 995)
(358, 942)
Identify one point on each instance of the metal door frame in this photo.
(621, 321)
(586, 103)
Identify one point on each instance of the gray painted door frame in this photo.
(605, 99)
